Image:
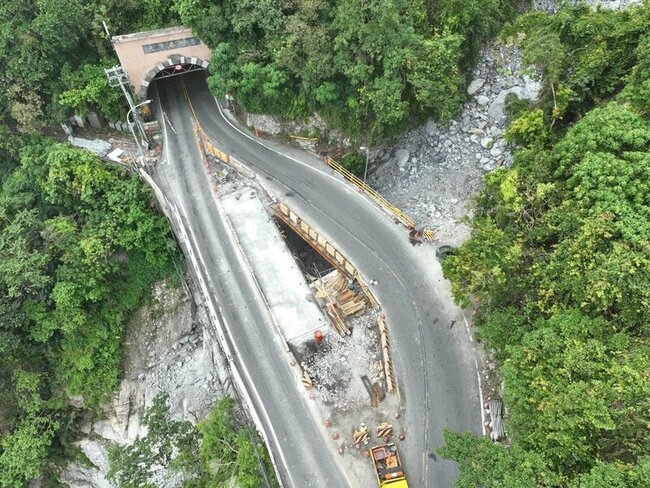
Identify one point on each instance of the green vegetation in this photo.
(369, 68)
(80, 243)
(559, 261)
(584, 55)
(53, 53)
(79, 248)
(354, 162)
(218, 452)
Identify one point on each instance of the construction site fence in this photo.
(226, 158)
(407, 221)
(323, 247)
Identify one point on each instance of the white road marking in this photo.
(247, 374)
(165, 116)
(478, 377)
(328, 175)
(351, 190)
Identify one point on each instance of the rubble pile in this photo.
(337, 363)
(552, 6)
(433, 170)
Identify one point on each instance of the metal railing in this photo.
(398, 214)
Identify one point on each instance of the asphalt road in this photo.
(431, 348)
(181, 175)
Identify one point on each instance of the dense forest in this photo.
(559, 263)
(80, 241)
(79, 247)
(369, 68)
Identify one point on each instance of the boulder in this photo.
(475, 86)
(431, 128)
(77, 475)
(482, 100)
(530, 91)
(531, 88)
(264, 123)
(402, 156)
(497, 150)
(487, 142)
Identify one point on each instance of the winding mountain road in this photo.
(432, 350)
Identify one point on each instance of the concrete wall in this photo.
(141, 67)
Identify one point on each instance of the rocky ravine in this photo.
(432, 172)
(553, 5)
(435, 170)
(167, 349)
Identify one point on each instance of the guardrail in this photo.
(226, 158)
(398, 214)
(352, 178)
(240, 380)
(301, 138)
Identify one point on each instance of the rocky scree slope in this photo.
(167, 349)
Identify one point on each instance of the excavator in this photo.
(388, 467)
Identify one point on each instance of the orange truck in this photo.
(388, 467)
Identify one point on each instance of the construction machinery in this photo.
(388, 467)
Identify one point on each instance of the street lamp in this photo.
(128, 121)
(365, 171)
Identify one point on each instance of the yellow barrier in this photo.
(396, 212)
(210, 148)
(300, 138)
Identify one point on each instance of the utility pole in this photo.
(117, 77)
(133, 132)
(365, 171)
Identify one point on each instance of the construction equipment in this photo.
(388, 467)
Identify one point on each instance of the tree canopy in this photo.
(53, 53)
(369, 68)
(79, 247)
(559, 263)
(218, 452)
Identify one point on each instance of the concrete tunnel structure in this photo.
(159, 53)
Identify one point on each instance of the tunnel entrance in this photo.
(173, 66)
(145, 56)
(176, 70)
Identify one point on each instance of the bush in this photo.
(354, 162)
